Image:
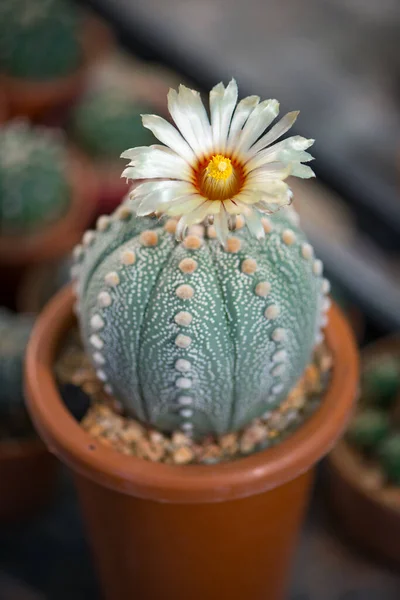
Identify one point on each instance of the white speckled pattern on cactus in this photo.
(229, 349)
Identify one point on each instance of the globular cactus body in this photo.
(197, 336)
(105, 121)
(34, 190)
(39, 39)
(14, 334)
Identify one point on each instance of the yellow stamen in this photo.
(219, 168)
(220, 179)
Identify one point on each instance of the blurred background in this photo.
(74, 79)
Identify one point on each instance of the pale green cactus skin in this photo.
(39, 39)
(34, 190)
(235, 361)
(14, 334)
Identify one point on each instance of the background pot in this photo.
(27, 478)
(369, 522)
(207, 531)
(34, 99)
(19, 252)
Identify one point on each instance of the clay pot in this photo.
(361, 513)
(33, 99)
(57, 239)
(27, 478)
(200, 531)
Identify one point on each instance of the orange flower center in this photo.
(218, 177)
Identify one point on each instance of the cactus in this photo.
(14, 334)
(105, 121)
(368, 429)
(39, 39)
(381, 381)
(194, 335)
(34, 190)
(389, 454)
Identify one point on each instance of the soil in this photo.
(105, 420)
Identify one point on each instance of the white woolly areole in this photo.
(104, 299)
(182, 365)
(112, 279)
(183, 318)
(183, 341)
(183, 383)
(96, 322)
(307, 251)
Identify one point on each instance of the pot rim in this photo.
(57, 239)
(339, 471)
(246, 476)
(337, 463)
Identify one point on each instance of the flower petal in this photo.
(158, 162)
(262, 116)
(254, 224)
(232, 207)
(222, 105)
(272, 187)
(159, 199)
(275, 132)
(190, 116)
(302, 171)
(221, 225)
(201, 212)
(241, 114)
(267, 172)
(184, 205)
(155, 185)
(286, 151)
(169, 135)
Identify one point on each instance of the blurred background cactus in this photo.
(375, 430)
(14, 333)
(39, 39)
(192, 335)
(106, 120)
(34, 190)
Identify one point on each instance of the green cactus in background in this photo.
(381, 381)
(39, 39)
(389, 455)
(105, 121)
(193, 335)
(14, 334)
(34, 190)
(368, 429)
(375, 429)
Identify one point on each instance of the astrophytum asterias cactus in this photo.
(194, 335)
(207, 333)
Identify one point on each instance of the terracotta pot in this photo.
(56, 240)
(27, 478)
(355, 507)
(33, 99)
(198, 532)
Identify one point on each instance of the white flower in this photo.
(218, 167)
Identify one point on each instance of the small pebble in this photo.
(182, 455)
